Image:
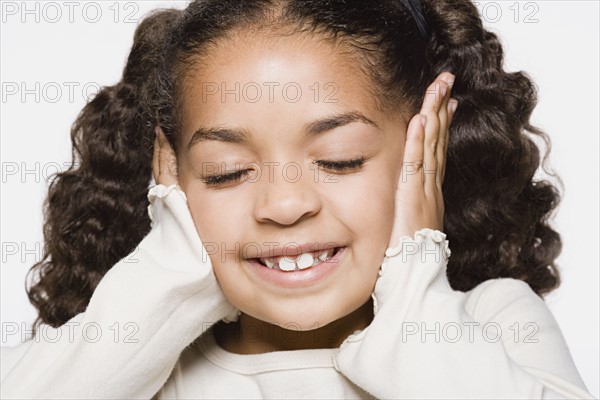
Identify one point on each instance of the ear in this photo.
(164, 160)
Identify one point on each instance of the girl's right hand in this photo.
(164, 168)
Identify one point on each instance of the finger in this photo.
(440, 153)
(435, 183)
(452, 106)
(443, 115)
(434, 107)
(412, 161)
(167, 161)
(410, 187)
(155, 158)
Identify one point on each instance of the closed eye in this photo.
(337, 166)
(218, 180)
(342, 166)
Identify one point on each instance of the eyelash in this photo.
(216, 180)
(338, 166)
(343, 166)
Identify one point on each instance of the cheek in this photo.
(369, 200)
(365, 206)
(217, 220)
(218, 225)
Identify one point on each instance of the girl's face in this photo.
(287, 111)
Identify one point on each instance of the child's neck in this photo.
(262, 337)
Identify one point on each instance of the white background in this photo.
(556, 42)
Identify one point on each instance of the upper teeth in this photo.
(301, 261)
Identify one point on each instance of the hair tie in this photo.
(414, 6)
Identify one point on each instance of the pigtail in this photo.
(96, 211)
(496, 213)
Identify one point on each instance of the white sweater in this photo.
(145, 334)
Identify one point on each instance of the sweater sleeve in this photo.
(427, 341)
(146, 309)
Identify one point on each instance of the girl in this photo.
(282, 136)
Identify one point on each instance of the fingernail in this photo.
(453, 105)
(450, 79)
(423, 120)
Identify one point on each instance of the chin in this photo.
(301, 323)
(304, 318)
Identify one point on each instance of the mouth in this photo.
(299, 262)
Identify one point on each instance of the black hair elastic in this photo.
(414, 6)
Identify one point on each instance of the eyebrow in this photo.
(311, 129)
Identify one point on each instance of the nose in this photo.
(286, 200)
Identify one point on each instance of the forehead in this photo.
(247, 76)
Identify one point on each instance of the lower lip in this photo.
(297, 278)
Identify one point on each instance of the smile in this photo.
(298, 271)
(299, 262)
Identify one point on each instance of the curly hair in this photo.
(496, 213)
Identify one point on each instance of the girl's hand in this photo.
(164, 168)
(419, 200)
(164, 161)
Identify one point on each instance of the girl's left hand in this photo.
(419, 199)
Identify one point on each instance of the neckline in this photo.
(251, 364)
